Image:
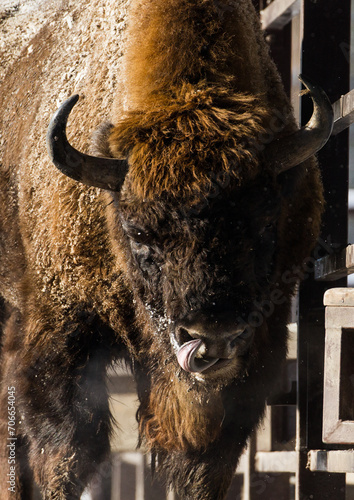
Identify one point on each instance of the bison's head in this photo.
(199, 271)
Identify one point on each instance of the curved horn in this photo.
(291, 150)
(105, 173)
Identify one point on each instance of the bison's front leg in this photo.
(63, 402)
(15, 475)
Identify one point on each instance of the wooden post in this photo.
(326, 32)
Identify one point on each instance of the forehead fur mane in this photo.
(182, 143)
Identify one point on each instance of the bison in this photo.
(173, 247)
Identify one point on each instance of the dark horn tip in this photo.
(62, 113)
(315, 89)
(307, 82)
(58, 122)
(292, 150)
(324, 116)
(316, 92)
(72, 99)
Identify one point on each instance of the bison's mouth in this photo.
(190, 358)
(193, 357)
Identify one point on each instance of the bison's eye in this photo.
(137, 235)
(144, 250)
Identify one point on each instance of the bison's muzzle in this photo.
(209, 343)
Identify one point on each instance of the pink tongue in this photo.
(186, 357)
(186, 354)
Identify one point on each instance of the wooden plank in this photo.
(297, 30)
(343, 112)
(116, 477)
(339, 297)
(335, 266)
(338, 318)
(125, 433)
(276, 461)
(340, 433)
(337, 461)
(258, 485)
(243, 463)
(337, 427)
(279, 13)
(249, 471)
(335, 430)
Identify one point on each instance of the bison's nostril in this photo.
(183, 336)
(234, 342)
(242, 335)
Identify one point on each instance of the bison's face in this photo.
(200, 273)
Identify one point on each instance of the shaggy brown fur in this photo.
(203, 225)
(177, 144)
(194, 102)
(174, 422)
(163, 54)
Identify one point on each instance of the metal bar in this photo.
(343, 112)
(276, 461)
(116, 478)
(335, 266)
(351, 200)
(297, 30)
(336, 461)
(140, 478)
(279, 13)
(171, 495)
(249, 472)
(243, 463)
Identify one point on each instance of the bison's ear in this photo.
(105, 173)
(289, 151)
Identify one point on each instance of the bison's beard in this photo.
(179, 411)
(175, 418)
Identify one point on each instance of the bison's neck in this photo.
(177, 41)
